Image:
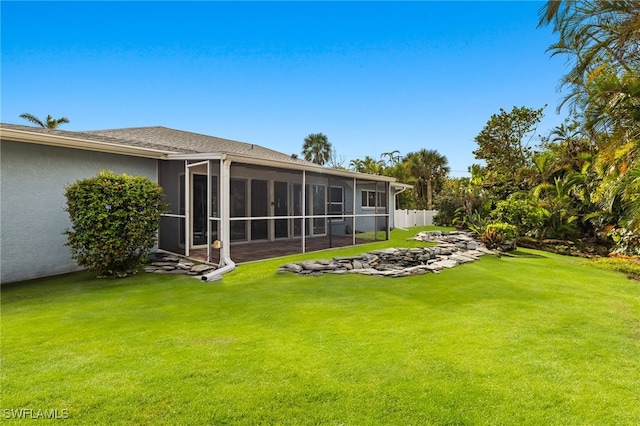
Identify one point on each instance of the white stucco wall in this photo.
(32, 185)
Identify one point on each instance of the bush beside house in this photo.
(114, 222)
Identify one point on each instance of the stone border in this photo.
(168, 264)
(453, 249)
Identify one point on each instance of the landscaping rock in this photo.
(202, 268)
(453, 249)
(291, 267)
(184, 265)
(163, 264)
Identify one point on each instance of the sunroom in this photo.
(233, 208)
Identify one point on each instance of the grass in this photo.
(529, 339)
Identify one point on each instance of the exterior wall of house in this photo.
(33, 183)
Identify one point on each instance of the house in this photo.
(228, 201)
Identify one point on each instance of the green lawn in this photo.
(529, 339)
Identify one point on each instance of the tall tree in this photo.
(426, 167)
(601, 40)
(505, 142)
(49, 123)
(567, 148)
(317, 148)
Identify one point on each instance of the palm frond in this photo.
(33, 119)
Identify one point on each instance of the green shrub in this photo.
(499, 236)
(447, 204)
(476, 222)
(527, 218)
(114, 222)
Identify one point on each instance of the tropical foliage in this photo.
(427, 168)
(317, 148)
(49, 123)
(499, 236)
(582, 181)
(367, 165)
(505, 145)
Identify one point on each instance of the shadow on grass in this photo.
(72, 284)
(523, 254)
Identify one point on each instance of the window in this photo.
(336, 201)
(369, 198)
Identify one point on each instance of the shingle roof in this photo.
(163, 140)
(188, 142)
(166, 139)
(91, 136)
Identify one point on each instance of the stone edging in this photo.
(168, 264)
(453, 248)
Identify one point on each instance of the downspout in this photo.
(227, 265)
(395, 204)
(402, 189)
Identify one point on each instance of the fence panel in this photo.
(409, 218)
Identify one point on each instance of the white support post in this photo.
(208, 223)
(387, 193)
(353, 220)
(304, 211)
(187, 207)
(225, 210)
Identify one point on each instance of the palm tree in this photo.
(426, 167)
(393, 157)
(560, 207)
(316, 148)
(595, 30)
(368, 165)
(596, 35)
(50, 122)
(602, 41)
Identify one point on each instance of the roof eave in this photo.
(79, 143)
(256, 161)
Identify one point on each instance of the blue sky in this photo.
(372, 76)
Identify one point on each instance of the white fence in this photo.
(409, 218)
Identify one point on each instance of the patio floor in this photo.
(248, 252)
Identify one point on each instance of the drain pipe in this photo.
(227, 265)
(217, 274)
